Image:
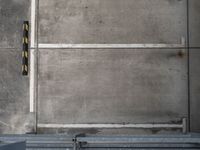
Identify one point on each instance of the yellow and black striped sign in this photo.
(25, 48)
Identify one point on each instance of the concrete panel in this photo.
(12, 15)
(95, 86)
(112, 86)
(195, 90)
(14, 106)
(112, 21)
(194, 18)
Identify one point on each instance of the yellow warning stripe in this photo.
(26, 68)
(25, 40)
(26, 54)
(25, 27)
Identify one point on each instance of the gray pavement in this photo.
(100, 86)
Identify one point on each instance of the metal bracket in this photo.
(76, 143)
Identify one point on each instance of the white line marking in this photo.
(146, 126)
(32, 58)
(111, 46)
(33, 14)
(108, 46)
(32, 80)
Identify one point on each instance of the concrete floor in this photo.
(108, 21)
(88, 86)
(14, 103)
(194, 37)
(101, 86)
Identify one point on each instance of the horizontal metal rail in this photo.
(15, 145)
(111, 46)
(55, 141)
(137, 140)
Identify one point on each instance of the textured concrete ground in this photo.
(108, 21)
(101, 86)
(112, 86)
(194, 23)
(14, 103)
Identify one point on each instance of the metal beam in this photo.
(188, 141)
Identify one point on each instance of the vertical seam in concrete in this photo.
(188, 66)
(37, 65)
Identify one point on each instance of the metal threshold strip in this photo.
(182, 126)
(111, 46)
(77, 142)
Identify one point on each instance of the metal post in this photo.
(184, 122)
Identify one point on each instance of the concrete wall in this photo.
(100, 86)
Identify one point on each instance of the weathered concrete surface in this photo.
(14, 105)
(112, 86)
(112, 21)
(107, 131)
(194, 17)
(12, 15)
(81, 86)
(194, 24)
(195, 89)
